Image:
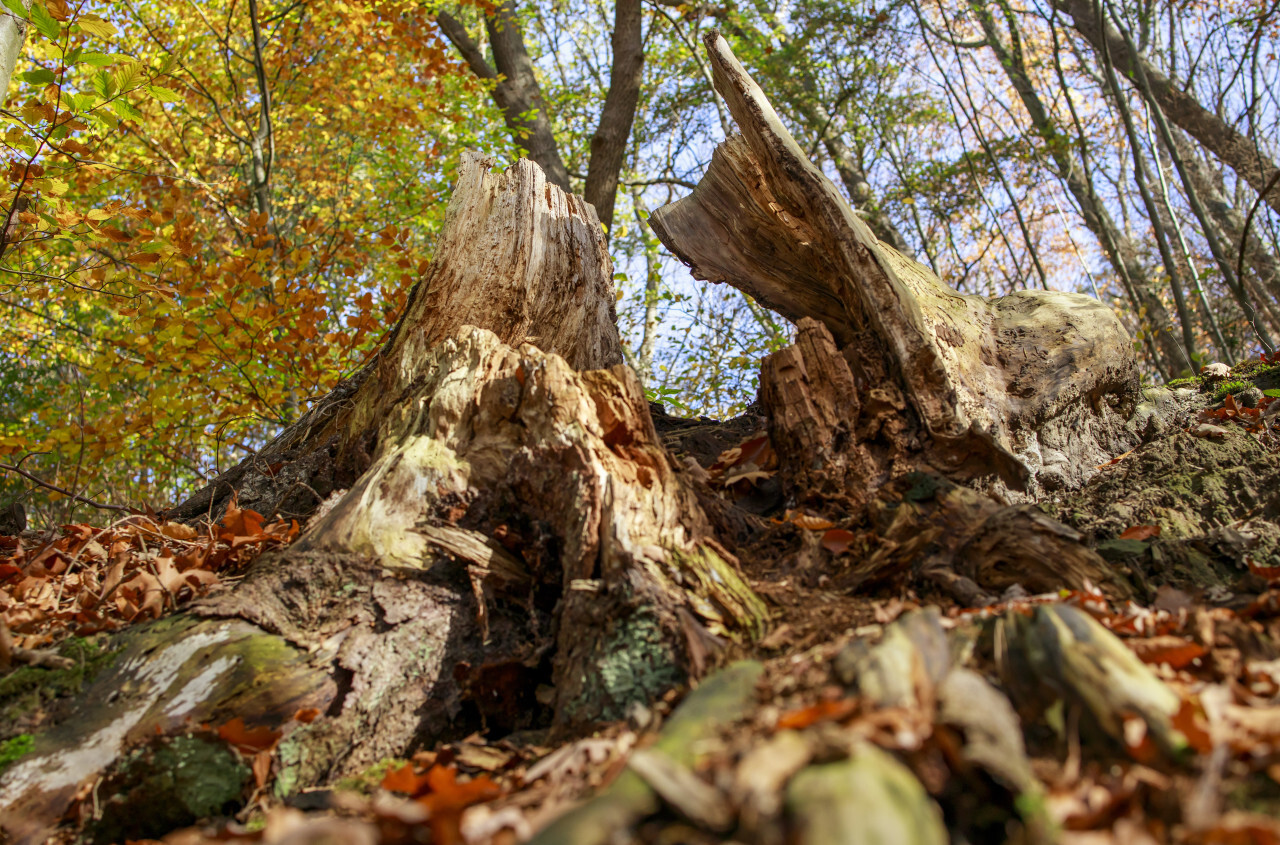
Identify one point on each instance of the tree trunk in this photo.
(497, 418)
(506, 542)
(996, 385)
(518, 94)
(13, 32)
(1137, 279)
(1239, 153)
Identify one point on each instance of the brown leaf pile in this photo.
(88, 579)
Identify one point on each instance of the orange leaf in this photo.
(261, 768)
(1191, 721)
(813, 523)
(1140, 532)
(307, 715)
(821, 712)
(1117, 459)
(1175, 651)
(448, 799)
(405, 780)
(1270, 573)
(837, 540)
(249, 740)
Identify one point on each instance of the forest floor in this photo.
(1070, 717)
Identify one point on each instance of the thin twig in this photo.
(55, 488)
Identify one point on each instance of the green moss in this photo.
(633, 664)
(1256, 370)
(13, 749)
(1233, 386)
(169, 783)
(722, 598)
(1184, 382)
(29, 689)
(371, 778)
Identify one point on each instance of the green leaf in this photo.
(1272, 393)
(43, 76)
(104, 119)
(44, 22)
(125, 110)
(168, 63)
(93, 57)
(102, 84)
(164, 95)
(128, 76)
(16, 8)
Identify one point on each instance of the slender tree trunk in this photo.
(516, 89)
(1264, 284)
(613, 132)
(1116, 245)
(519, 95)
(652, 281)
(13, 33)
(1241, 154)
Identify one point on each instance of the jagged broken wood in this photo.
(1031, 390)
(502, 517)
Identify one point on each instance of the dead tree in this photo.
(502, 517)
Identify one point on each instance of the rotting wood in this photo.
(517, 256)
(516, 517)
(1036, 386)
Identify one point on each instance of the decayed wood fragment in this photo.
(1035, 385)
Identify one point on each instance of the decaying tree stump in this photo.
(516, 523)
(517, 256)
(505, 541)
(894, 373)
(1032, 389)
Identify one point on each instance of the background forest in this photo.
(214, 212)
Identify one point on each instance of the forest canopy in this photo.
(213, 214)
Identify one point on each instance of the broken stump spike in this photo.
(1034, 388)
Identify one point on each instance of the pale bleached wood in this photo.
(517, 256)
(1037, 385)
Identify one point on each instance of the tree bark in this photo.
(1118, 247)
(1238, 152)
(613, 132)
(516, 89)
(13, 33)
(519, 95)
(995, 383)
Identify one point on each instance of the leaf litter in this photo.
(1000, 753)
